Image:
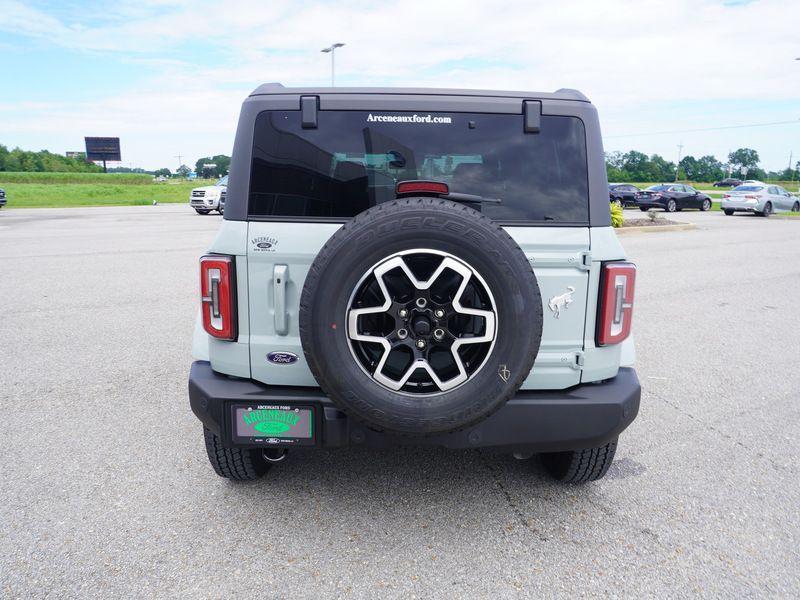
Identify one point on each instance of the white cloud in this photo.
(628, 57)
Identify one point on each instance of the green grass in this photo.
(7, 177)
(54, 195)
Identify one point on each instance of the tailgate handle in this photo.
(279, 275)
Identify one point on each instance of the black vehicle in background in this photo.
(2, 198)
(623, 194)
(672, 197)
(728, 182)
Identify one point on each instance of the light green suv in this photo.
(415, 267)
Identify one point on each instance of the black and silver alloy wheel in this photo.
(421, 321)
(420, 316)
(672, 206)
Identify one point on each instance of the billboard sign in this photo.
(103, 148)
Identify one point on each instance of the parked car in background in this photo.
(728, 182)
(208, 198)
(672, 197)
(623, 194)
(2, 198)
(758, 198)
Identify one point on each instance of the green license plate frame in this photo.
(266, 424)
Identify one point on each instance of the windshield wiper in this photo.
(459, 197)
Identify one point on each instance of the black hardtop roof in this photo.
(277, 89)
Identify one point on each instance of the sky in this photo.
(168, 77)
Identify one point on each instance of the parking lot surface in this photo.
(105, 487)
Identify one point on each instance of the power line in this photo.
(795, 122)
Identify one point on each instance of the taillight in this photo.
(218, 295)
(422, 187)
(615, 311)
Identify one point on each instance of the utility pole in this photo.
(332, 50)
(678, 166)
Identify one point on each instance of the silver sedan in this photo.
(760, 198)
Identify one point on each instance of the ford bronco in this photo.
(415, 267)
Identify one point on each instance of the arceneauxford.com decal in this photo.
(407, 119)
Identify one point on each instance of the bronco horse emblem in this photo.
(562, 301)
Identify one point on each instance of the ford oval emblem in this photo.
(282, 358)
(264, 245)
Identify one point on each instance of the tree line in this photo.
(17, 160)
(743, 163)
(620, 166)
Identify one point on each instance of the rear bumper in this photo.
(584, 416)
(651, 203)
(741, 206)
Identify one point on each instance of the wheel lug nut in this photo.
(402, 334)
(421, 302)
(403, 313)
(420, 344)
(438, 333)
(439, 313)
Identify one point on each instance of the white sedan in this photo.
(760, 198)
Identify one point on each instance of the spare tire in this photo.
(420, 316)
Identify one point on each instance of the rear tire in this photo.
(580, 466)
(796, 207)
(671, 206)
(425, 227)
(706, 205)
(239, 464)
(643, 208)
(767, 210)
(728, 211)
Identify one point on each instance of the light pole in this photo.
(332, 49)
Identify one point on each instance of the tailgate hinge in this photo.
(577, 364)
(585, 260)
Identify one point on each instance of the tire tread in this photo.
(239, 464)
(580, 466)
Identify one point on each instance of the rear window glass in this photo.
(748, 188)
(658, 188)
(354, 159)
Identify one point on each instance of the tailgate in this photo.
(279, 256)
(560, 258)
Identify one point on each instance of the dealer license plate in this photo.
(272, 424)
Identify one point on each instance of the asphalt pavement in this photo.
(105, 488)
